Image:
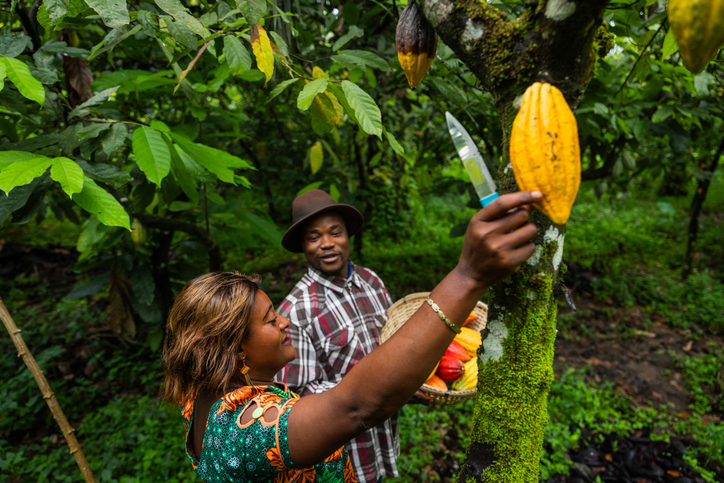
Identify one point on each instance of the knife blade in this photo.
(472, 161)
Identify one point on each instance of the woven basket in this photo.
(401, 311)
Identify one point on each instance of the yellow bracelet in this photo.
(437, 310)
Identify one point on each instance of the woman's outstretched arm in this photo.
(497, 242)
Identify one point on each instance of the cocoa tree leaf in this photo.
(263, 227)
(70, 176)
(105, 173)
(396, 146)
(185, 180)
(114, 13)
(9, 157)
(19, 74)
(336, 89)
(216, 161)
(148, 23)
(23, 172)
(12, 44)
(310, 91)
(236, 54)
(181, 33)
(368, 114)
(92, 130)
(353, 33)
(280, 43)
(17, 199)
(143, 284)
(115, 138)
(181, 14)
(261, 46)
(114, 37)
(152, 154)
(99, 202)
(94, 101)
(280, 88)
(57, 9)
(316, 157)
(367, 58)
(252, 10)
(670, 46)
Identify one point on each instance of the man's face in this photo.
(326, 244)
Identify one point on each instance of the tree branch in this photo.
(552, 41)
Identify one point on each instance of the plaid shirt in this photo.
(334, 323)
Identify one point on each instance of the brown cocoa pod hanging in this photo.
(416, 43)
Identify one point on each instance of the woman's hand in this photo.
(498, 239)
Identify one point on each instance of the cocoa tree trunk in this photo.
(696, 203)
(554, 41)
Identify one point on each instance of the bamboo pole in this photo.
(48, 395)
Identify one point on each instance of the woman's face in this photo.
(267, 346)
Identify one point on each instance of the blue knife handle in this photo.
(488, 199)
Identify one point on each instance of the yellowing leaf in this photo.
(262, 51)
(318, 73)
(316, 156)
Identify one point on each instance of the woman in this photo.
(225, 343)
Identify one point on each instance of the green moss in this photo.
(507, 56)
(602, 44)
(511, 408)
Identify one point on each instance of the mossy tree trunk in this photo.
(554, 41)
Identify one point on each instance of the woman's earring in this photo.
(245, 372)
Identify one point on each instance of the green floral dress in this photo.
(257, 451)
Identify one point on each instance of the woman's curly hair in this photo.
(204, 331)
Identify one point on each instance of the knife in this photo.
(472, 160)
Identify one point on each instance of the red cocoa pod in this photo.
(450, 369)
(457, 351)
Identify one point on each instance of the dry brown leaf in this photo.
(78, 79)
(688, 345)
(120, 317)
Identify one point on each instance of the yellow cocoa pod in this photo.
(470, 340)
(470, 378)
(698, 27)
(416, 42)
(138, 232)
(544, 150)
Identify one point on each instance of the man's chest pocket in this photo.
(337, 346)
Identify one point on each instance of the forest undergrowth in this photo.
(641, 357)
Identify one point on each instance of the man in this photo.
(337, 311)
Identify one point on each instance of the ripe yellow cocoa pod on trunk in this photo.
(544, 150)
(698, 27)
(416, 42)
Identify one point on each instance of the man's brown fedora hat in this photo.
(310, 204)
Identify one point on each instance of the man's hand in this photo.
(498, 239)
(420, 398)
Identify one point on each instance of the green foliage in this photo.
(128, 426)
(702, 376)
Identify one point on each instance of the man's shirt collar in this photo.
(333, 282)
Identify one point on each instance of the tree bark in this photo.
(696, 204)
(554, 41)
